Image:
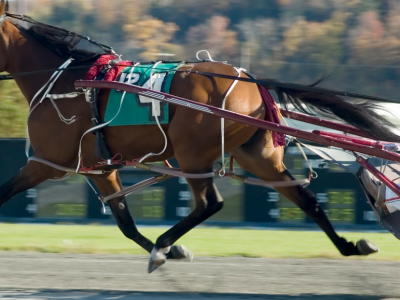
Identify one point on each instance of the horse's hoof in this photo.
(157, 258)
(155, 264)
(366, 247)
(181, 252)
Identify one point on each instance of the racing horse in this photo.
(194, 138)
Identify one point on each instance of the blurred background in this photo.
(356, 41)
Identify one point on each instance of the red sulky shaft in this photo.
(328, 141)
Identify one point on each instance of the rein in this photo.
(11, 76)
(293, 86)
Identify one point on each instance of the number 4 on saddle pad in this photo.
(139, 110)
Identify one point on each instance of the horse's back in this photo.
(245, 97)
(199, 132)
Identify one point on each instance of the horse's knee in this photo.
(216, 207)
(208, 210)
(208, 206)
(207, 201)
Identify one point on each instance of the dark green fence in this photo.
(337, 191)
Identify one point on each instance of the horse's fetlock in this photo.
(347, 248)
(209, 207)
(217, 206)
(162, 243)
(201, 205)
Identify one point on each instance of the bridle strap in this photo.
(11, 76)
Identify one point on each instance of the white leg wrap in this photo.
(157, 254)
(157, 258)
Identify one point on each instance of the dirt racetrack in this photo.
(68, 276)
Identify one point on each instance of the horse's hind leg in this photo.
(29, 176)
(305, 199)
(261, 158)
(109, 184)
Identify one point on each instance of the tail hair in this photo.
(358, 114)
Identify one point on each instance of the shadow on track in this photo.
(46, 294)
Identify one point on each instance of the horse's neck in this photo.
(27, 55)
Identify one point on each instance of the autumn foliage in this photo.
(357, 41)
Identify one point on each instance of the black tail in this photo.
(360, 115)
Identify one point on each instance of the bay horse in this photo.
(194, 138)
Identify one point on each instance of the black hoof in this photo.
(363, 247)
(366, 247)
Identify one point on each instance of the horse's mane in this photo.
(61, 42)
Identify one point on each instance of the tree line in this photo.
(355, 42)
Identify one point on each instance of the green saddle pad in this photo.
(139, 110)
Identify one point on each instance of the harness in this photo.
(103, 151)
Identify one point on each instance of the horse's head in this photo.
(3, 37)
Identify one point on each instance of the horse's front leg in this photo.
(29, 176)
(111, 183)
(208, 202)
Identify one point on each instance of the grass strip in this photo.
(202, 241)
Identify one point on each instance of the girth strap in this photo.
(101, 148)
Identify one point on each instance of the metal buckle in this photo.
(88, 95)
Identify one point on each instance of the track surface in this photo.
(68, 276)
